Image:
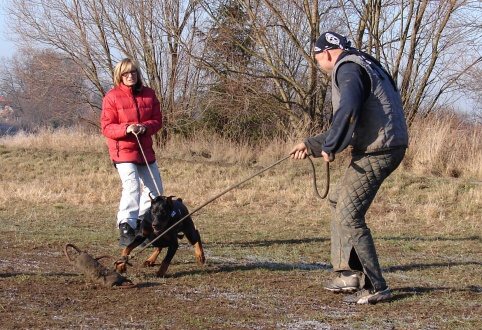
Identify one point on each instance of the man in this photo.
(367, 116)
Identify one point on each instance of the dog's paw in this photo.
(162, 270)
(148, 263)
(198, 250)
(121, 267)
(201, 260)
(159, 274)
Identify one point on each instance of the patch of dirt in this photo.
(41, 289)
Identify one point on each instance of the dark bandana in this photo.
(331, 40)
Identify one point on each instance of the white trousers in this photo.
(137, 183)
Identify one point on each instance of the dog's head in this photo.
(161, 211)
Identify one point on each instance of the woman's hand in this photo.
(136, 129)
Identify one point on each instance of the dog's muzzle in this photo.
(158, 229)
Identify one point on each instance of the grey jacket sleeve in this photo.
(354, 85)
(315, 143)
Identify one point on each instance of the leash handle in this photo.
(327, 179)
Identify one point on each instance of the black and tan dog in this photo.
(165, 212)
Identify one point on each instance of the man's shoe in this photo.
(345, 281)
(368, 296)
(127, 234)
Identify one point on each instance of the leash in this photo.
(208, 202)
(325, 193)
(147, 164)
(327, 179)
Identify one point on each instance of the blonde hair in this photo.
(126, 65)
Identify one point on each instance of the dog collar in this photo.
(175, 213)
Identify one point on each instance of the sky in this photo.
(7, 48)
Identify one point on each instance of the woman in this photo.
(131, 109)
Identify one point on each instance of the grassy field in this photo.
(266, 242)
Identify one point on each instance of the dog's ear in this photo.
(169, 201)
(157, 199)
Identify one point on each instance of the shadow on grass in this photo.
(403, 293)
(269, 242)
(8, 275)
(432, 265)
(147, 285)
(230, 266)
(429, 239)
(81, 277)
(266, 243)
(214, 267)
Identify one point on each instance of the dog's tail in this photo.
(67, 253)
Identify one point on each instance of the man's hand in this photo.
(299, 151)
(328, 157)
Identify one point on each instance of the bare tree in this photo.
(43, 88)
(97, 34)
(419, 42)
(71, 27)
(426, 45)
(281, 68)
(472, 95)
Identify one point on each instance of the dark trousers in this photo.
(352, 246)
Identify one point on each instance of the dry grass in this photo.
(267, 241)
(445, 146)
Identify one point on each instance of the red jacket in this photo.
(120, 109)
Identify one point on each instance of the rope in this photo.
(208, 202)
(147, 164)
(327, 179)
(325, 193)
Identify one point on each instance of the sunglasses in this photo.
(130, 73)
